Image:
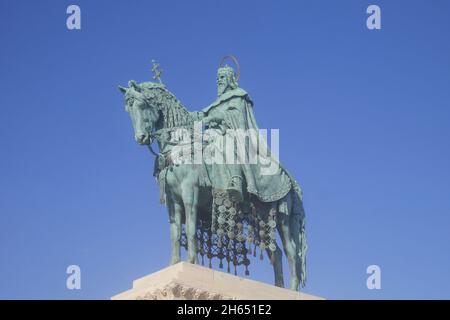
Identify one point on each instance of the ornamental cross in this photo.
(157, 71)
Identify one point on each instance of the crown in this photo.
(227, 69)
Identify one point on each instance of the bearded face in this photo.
(222, 82)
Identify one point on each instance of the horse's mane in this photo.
(174, 113)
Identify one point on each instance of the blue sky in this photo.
(364, 123)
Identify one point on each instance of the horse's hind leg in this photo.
(276, 259)
(290, 248)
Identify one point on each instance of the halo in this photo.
(238, 74)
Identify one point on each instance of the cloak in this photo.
(266, 179)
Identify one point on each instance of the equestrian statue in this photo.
(226, 192)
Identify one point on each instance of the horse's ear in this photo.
(122, 89)
(134, 85)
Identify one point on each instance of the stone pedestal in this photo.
(187, 281)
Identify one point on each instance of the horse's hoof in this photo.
(294, 286)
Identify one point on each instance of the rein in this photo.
(151, 150)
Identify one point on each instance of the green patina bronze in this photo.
(219, 210)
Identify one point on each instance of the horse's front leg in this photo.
(190, 199)
(175, 212)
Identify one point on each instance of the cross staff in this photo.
(157, 71)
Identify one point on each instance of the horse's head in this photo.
(141, 105)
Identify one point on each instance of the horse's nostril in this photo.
(140, 137)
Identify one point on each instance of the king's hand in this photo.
(212, 121)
